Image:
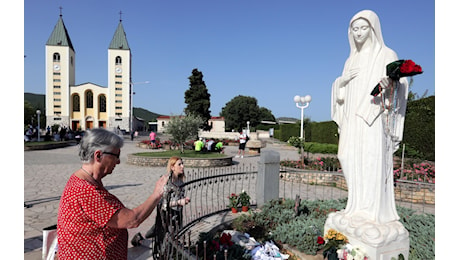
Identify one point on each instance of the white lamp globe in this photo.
(297, 99)
(307, 98)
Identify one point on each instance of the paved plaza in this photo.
(47, 171)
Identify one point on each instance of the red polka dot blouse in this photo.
(83, 214)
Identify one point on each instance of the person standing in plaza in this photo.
(153, 137)
(172, 204)
(92, 222)
(243, 138)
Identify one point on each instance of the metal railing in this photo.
(209, 189)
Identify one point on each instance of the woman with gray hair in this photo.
(92, 222)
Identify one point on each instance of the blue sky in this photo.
(270, 50)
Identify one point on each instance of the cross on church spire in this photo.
(60, 11)
(120, 15)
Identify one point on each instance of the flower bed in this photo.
(418, 172)
(303, 230)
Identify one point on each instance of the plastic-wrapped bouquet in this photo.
(398, 69)
(348, 252)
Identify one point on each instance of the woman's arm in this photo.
(180, 202)
(132, 218)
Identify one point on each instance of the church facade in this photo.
(87, 105)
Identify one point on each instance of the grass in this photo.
(43, 143)
(186, 154)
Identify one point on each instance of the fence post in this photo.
(267, 187)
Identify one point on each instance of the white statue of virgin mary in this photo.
(370, 129)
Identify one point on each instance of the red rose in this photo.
(226, 239)
(407, 66)
(320, 240)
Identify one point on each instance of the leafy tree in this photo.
(239, 110)
(197, 98)
(183, 128)
(266, 115)
(29, 113)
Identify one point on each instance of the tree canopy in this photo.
(241, 109)
(183, 128)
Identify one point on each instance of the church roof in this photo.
(60, 36)
(119, 40)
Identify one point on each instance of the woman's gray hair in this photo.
(98, 139)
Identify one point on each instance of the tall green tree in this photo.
(197, 98)
(239, 110)
(266, 114)
(183, 128)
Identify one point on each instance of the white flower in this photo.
(357, 254)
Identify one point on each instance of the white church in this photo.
(87, 105)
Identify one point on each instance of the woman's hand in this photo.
(184, 201)
(160, 184)
(348, 76)
(385, 82)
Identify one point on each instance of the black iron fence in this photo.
(209, 190)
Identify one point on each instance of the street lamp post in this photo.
(302, 103)
(38, 118)
(131, 114)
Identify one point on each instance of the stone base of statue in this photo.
(378, 241)
(254, 144)
(254, 147)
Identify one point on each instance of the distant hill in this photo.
(38, 102)
(145, 114)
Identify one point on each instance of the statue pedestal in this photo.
(254, 147)
(378, 241)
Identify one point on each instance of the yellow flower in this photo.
(331, 233)
(340, 236)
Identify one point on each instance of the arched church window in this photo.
(76, 103)
(56, 57)
(102, 104)
(89, 99)
(118, 60)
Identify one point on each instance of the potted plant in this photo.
(233, 202)
(244, 200)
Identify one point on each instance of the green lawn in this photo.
(186, 154)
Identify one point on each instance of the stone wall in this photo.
(189, 162)
(405, 192)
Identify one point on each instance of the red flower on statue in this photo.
(398, 69)
(409, 68)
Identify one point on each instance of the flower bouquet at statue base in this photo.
(398, 69)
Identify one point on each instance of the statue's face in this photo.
(360, 30)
